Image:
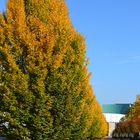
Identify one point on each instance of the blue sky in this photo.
(112, 32)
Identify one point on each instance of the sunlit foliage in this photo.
(44, 82)
(131, 122)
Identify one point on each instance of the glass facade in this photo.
(116, 108)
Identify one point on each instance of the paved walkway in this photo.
(114, 139)
(117, 139)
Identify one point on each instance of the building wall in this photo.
(112, 120)
(113, 114)
(112, 117)
(112, 126)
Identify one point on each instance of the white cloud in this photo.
(130, 60)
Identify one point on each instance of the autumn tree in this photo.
(134, 110)
(44, 82)
(131, 121)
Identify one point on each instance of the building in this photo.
(113, 114)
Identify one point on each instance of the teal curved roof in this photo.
(116, 108)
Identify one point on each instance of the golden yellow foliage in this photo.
(45, 86)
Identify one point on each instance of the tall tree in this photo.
(44, 82)
(131, 122)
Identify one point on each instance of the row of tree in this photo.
(131, 122)
(44, 82)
